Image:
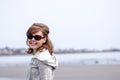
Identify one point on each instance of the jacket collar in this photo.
(46, 58)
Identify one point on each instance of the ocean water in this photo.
(73, 58)
(3, 78)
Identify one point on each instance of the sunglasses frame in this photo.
(36, 37)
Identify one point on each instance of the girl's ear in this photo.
(44, 40)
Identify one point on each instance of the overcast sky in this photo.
(93, 24)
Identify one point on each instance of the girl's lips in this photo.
(32, 43)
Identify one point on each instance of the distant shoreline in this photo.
(21, 51)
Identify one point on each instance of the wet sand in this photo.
(68, 72)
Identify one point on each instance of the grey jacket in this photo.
(42, 66)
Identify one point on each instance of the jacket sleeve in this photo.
(46, 71)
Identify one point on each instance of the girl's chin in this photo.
(33, 47)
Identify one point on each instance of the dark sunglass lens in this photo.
(37, 37)
(29, 36)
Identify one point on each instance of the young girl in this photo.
(43, 62)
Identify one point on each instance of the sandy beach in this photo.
(68, 72)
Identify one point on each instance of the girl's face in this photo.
(35, 40)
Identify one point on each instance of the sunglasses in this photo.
(36, 37)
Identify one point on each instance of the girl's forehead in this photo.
(33, 30)
(38, 33)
